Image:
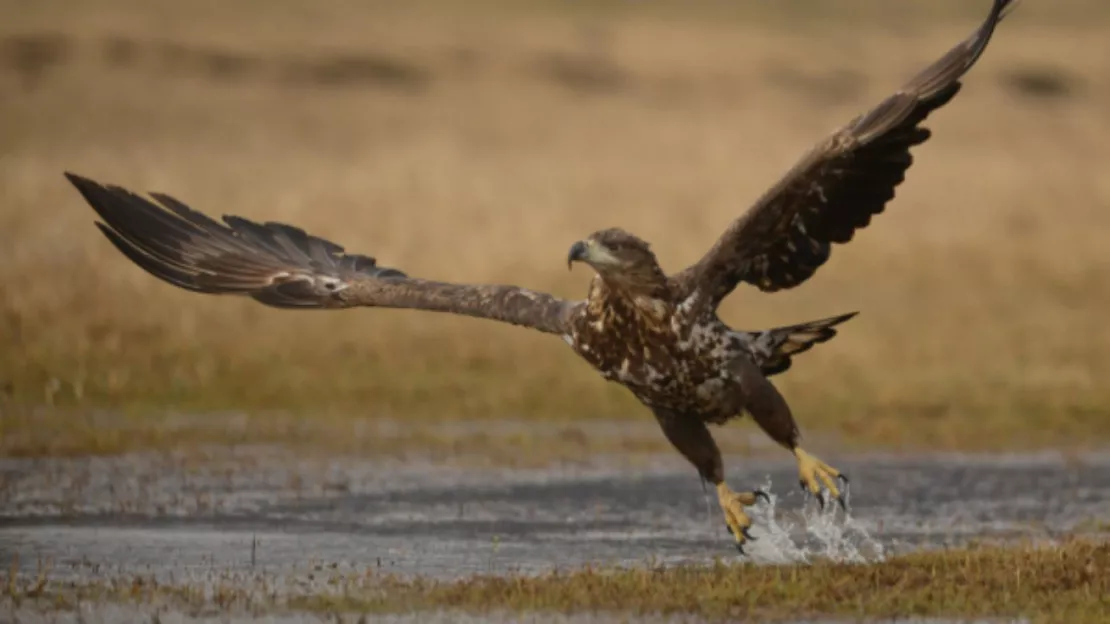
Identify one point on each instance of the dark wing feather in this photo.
(836, 188)
(283, 266)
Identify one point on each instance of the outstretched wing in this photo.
(282, 266)
(836, 187)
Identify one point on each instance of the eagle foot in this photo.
(737, 521)
(813, 473)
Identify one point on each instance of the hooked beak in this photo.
(577, 253)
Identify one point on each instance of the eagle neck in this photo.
(607, 299)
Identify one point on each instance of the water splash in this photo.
(810, 534)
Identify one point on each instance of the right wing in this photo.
(282, 266)
(837, 187)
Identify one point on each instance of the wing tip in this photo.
(999, 10)
(1005, 7)
(85, 186)
(75, 178)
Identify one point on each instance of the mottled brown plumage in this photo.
(657, 335)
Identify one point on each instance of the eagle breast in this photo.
(665, 358)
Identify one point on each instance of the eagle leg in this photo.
(813, 472)
(690, 436)
(770, 411)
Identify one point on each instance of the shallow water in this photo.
(161, 512)
(256, 511)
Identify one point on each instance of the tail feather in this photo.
(774, 348)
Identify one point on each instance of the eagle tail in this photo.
(775, 347)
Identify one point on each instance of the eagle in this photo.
(657, 334)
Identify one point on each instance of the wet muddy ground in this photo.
(259, 512)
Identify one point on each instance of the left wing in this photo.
(835, 188)
(283, 266)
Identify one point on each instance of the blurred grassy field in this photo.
(477, 143)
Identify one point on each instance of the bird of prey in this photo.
(657, 334)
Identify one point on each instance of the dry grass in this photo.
(477, 146)
(1066, 583)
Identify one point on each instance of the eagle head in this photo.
(623, 260)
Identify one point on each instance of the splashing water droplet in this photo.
(832, 534)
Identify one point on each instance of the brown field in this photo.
(476, 144)
(1066, 583)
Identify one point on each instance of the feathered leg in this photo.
(692, 438)
(771, 412)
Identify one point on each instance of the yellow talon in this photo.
(813, 473)
(732, 504)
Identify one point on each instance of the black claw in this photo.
(747, 534)
(729, 529)
(820, 501)
(765, 495)
(843, 505)
(802, 484)
(843, 477)
(740, 548)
